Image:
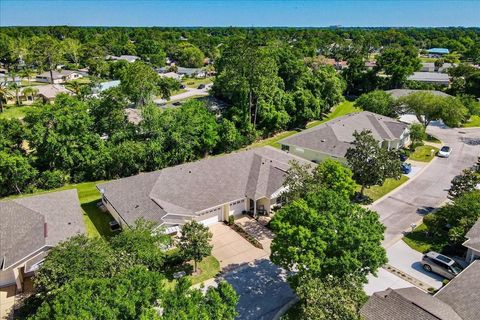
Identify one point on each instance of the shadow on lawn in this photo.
(98, 218)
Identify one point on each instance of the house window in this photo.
(285, 148)
(299, 150)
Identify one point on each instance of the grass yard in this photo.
(473, 122)
(15, 112)
(342, 109)
(419, 240)
(25, 83)
(209, 266)
(194, 82)
(376, 192)
(423, 153)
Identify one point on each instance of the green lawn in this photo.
(376, 192)
(14, 112)
(342, 109)
(194, 82)
(419, 240)
(423, 153)
(25, 83)
(209, 267)
(473, 122)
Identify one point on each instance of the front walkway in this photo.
(258, 231)
(231, 249)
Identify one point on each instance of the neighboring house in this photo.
(398, 93)
(431, 78)
(7, 79)
(333, 138)
(30, 226)
(50, 91)
(430, 67)
(458, 300)
(171, 75)
(191, 72)
(473, 243)
(59, 76)
(437, 52)
(208, 190)
(128, 58)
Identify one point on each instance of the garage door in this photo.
(237, 207)
(215, 216)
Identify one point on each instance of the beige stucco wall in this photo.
(265, 203)
(7, 278)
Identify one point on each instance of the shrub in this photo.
(52, 179)
(231, 220)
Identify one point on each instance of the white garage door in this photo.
(237, 207)
(217, 216)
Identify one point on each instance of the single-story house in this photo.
(431, 78)
(430, 67)
(128, 58)
(473, 243)
(31, 226)
(59, 76)
(50, 91)
(398, 93)
(458, 300)
(190, 72)
(208, 190)
(437, 52)
(171, 75)
(333, 138)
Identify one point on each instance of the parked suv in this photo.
(440, 264)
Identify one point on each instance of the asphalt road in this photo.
(428, 190)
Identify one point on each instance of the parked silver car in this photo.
(440, 264)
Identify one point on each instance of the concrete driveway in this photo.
(231, 249)
(262, 288)
(383, 281)
(261, 233)
(7, 301)
(407, 260)
(428, 189)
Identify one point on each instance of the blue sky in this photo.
(241, 13)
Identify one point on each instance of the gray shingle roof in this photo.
(192, 187)
(406, 304)
(22, 229)
(429, 77)
(473, 236)
(334, 137)
(463, 292)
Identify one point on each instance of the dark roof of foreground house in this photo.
(397, 93)
(406, 304)
(462, 293)
(196, 186)
(335, 137)
(31, 223)
(473, 237)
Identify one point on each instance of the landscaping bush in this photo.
(246, 236)
(231, 220)
(52, 179)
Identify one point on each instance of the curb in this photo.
(404, 184)
(285, 308)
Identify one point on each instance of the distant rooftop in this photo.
(438, 50)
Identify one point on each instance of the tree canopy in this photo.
(324, 234)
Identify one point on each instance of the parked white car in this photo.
(444, 152)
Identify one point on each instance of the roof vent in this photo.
(323, 140)
(189, 171)
(45, 230)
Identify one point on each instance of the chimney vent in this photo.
(45, 230)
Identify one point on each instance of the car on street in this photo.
(403, 157)
(440, 264)
(406, 168)
(202, 86)
(445, 152)
(182, 86)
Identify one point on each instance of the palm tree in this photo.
(30, 92)
(76, 87)
(27, 73)
(5, 94)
